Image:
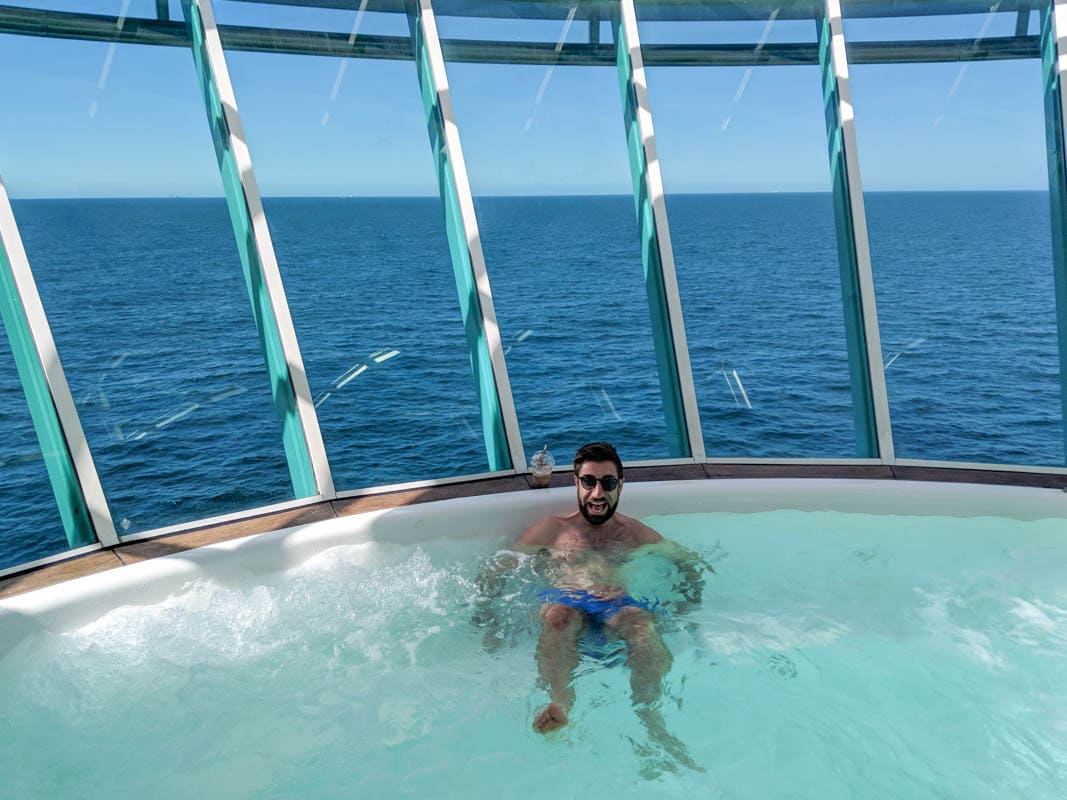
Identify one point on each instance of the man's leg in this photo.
(649, 661)
(647, 655)
(557, 658)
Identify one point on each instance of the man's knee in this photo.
(559, 617)
(632, 623)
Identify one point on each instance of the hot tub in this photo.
(857, 638)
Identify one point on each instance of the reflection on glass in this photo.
(307, 17)
(745, 170)
(32, 526)
(343, 159)
(112, 8)
(546, 152)
(989, 24)
(133, 251)
(953, 160)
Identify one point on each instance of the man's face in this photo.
(596, 504)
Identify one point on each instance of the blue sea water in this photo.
(152, 322)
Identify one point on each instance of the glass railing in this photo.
(32, 530)
(285, 251)
(550, 175)
(956, 187)
(115, 191)
(343, 160)
(752, 221)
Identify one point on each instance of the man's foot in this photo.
(550, 718)
(669, 744)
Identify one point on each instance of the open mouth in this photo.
(597, 506)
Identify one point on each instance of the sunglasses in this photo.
(609, 482)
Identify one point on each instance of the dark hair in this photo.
(596, 451)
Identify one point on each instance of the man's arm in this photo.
(490, 585)
(542, 533)
(491, 579)
(692, 567)
(494, 574)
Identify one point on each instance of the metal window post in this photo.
(71, 471)
(304, 448)
(1053, 45)
(685, 439)
(500, 426)
(870, 403)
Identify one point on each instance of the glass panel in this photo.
(306, 18)
(111, 8)
(32, 526)
(936, 26)
(546, 153)
(746, 173)
(343, 158)
(118, 198)
(757, 32)
(955, 179)
(504, 29)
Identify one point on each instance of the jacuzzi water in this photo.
(836, 655)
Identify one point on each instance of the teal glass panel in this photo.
(344, 162)
(465, 256)
(118, 197)
(860, 317)
(956, 193)
(545, 148)
(745, 170)
(32, 525)
(1054, 142)
(655, 260)
(18, 305)
(256, 258)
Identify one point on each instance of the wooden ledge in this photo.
(200, 535)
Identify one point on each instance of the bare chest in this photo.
(606, 543)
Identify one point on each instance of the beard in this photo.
(598, 519)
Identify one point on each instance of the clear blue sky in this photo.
(92, 119)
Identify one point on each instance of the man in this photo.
(586, 548)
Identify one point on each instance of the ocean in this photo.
(152, 322)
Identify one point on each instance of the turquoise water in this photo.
(834, 656)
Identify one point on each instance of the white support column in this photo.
(72, 471)
(467, 252)
(845, 118)
(284, 361)
(1054, 68)
(648, 173)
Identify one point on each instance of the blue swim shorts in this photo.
(599, 609)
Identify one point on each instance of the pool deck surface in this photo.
(199, 535)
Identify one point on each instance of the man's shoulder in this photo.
(639, 532)
(544, 531)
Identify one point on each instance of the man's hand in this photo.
(490, 584)
(692, 567)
